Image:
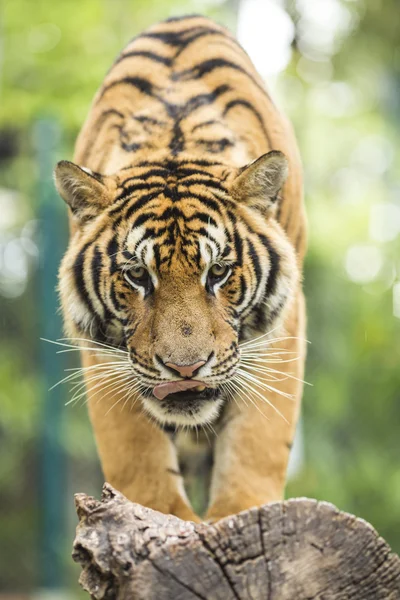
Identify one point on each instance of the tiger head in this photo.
(175, 262)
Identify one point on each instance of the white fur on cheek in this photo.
(72, 304)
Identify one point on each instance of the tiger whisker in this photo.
(251, 378)
(270, 370)
(263, 362)
(120, 400)
(119, 364)
(227, 388)
(96, 351)
(104, 347)
(270, 351)
(92, 352)
(262, 383)
(250, 386)
(94, 377)
(234, 388)
(269, 356)
(209, 426)
(96, 343)
(240, 390)
(81, 371)
(206, 434)
(259, 337)
(103, 373)
(130, 392)
(100, 387)
(272, 341)
(271, 376)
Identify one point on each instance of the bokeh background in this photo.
(334, 66)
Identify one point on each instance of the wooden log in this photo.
(294, 550)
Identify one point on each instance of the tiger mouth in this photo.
(195, 395)
(167, 388)
(191, 407)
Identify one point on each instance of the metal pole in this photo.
(52, 241)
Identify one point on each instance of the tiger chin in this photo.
(181, 284)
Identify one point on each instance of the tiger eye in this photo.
(137, 273)
(218, 270)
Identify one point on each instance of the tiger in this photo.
(182, 281)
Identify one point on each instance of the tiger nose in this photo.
(186, 370)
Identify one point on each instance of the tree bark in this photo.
(294, 550)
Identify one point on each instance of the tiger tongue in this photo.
(163, 389)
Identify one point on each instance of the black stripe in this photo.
(150, 55)
(140, 203)
(207, 234)
(215, 146)
(135, 187)
(157, 257)
(145, 119)
(200, 162)
(151, 173)
(132, 188)
(275, 264)
(134, 147)
(184, 172)
(95, 267)
(205, 124)
(149, 163)
(257, 268)
(143, 85)
(211, 183)
(208, 202)
(242, 289)
(184, 18)
(96, 128)
(178, 113)
(113, 297)
(112, 251)
(204, 99)
(238, 242)
(210, 65)
(250, 107)
(79, 279)
(177, 38)
(203, 217)
(171, 38)
(254, 258)
(143, 218)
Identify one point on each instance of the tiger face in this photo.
(176, 261)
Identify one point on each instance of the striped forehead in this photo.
(208, 247)
(212, 246)
(139, 246)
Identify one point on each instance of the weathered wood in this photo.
(294, 550)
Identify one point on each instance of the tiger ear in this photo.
(257, 185)
(85, 192)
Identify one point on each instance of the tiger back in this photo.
(187, 86)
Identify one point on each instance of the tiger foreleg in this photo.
(252, 448)
(137, 457)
